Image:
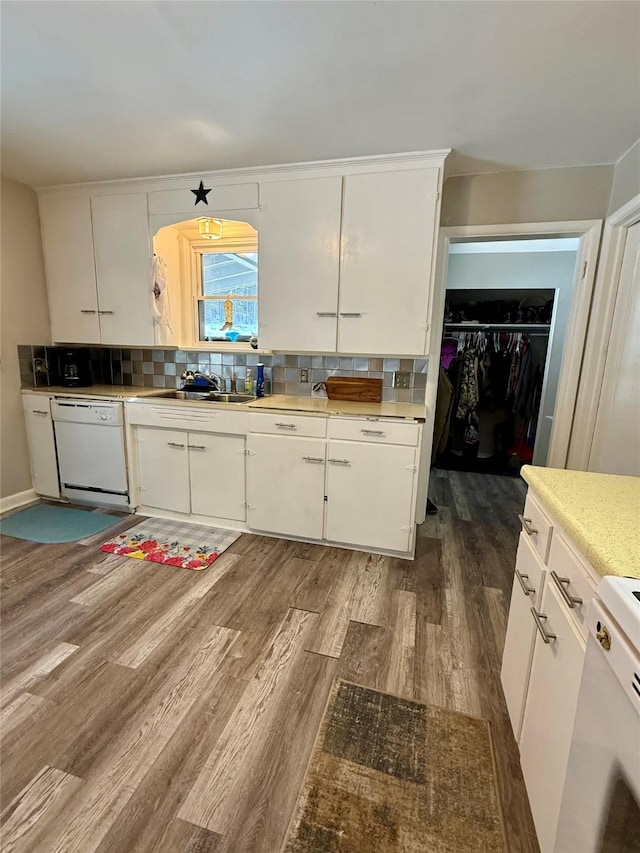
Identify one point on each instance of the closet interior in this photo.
(492, 371)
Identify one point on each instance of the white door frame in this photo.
(588, 231)
(600, 322)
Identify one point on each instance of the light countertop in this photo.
(600, 512)
(320, 405)
(121, 392)
(276, 402)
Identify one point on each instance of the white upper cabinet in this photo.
(70, 266)
(299, 246)
(122, 252)
(388, 236)
(346, 262)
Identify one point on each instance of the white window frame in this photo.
(197, 249)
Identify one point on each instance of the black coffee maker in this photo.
(75, 367)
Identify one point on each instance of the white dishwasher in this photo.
(91, 451)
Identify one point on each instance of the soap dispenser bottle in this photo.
(260, 381)
(248, 382)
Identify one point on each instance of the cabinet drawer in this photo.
(287, 424)
(375, 430)
(537, 525)
(568, 573)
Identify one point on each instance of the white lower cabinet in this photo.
(191, 472)
(526, 593)
(370, 494)
(42, 446)
(286, 484)
(163, 469)
(549, 714)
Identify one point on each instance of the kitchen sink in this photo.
(205, 396)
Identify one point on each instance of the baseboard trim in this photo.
(19, 499)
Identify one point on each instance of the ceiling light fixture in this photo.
(209, 228)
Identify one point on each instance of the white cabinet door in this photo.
(370, 494)
(163, 469)
(216, 463)
(285, 482)
(71, 276)
(123, 257)
(388, 236)
(42, 447)
(549, 715)
(521, 631)
(298, 261)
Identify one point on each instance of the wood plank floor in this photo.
(147, 708)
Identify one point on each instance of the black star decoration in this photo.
(201, 194)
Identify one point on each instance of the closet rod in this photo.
(540, 328)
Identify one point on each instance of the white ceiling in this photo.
(101, 90)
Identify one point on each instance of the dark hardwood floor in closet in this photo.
(148, 708)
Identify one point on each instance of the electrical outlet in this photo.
(304, 374)
(401, 379)
(40, 365)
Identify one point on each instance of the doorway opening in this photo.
(507, 308)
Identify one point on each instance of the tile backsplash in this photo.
(162, 368)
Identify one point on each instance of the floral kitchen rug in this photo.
(173, 543)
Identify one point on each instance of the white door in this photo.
(67, 240)
(521, 631)
(285, 485)
(549, 715)
(163, 469)
(616, 448)
(388, 234)
(370, 494)
(299, 241)
(42, 447)
(123, 258)
(216, 464)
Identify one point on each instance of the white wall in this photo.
(25, 320)
(542, 195)
(626, 179)
(526, 270)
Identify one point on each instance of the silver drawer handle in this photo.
(339, 461)
(175, 444)
(526, 525)
(372, 431)
(350, 314)
(39, 411)
(286, 426)
(326, 313)
(547, 636)
(197, 447)
(106, 312)
(313, 458)
(523, 583)
(563, 584)
(88, 311)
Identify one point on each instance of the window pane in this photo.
(211, 319)
(230, 272)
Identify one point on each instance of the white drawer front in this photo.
(287, 424)
(537, 525)
(374, 429)
(567, 572)
(177, 417)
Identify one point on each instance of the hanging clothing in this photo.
(469, 395)
(160, 303)
(444, 408)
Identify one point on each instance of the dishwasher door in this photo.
(90, 442)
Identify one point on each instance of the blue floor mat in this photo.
(49, 524)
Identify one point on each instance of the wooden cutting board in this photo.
(352, 388)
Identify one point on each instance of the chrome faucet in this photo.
(215, 380)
